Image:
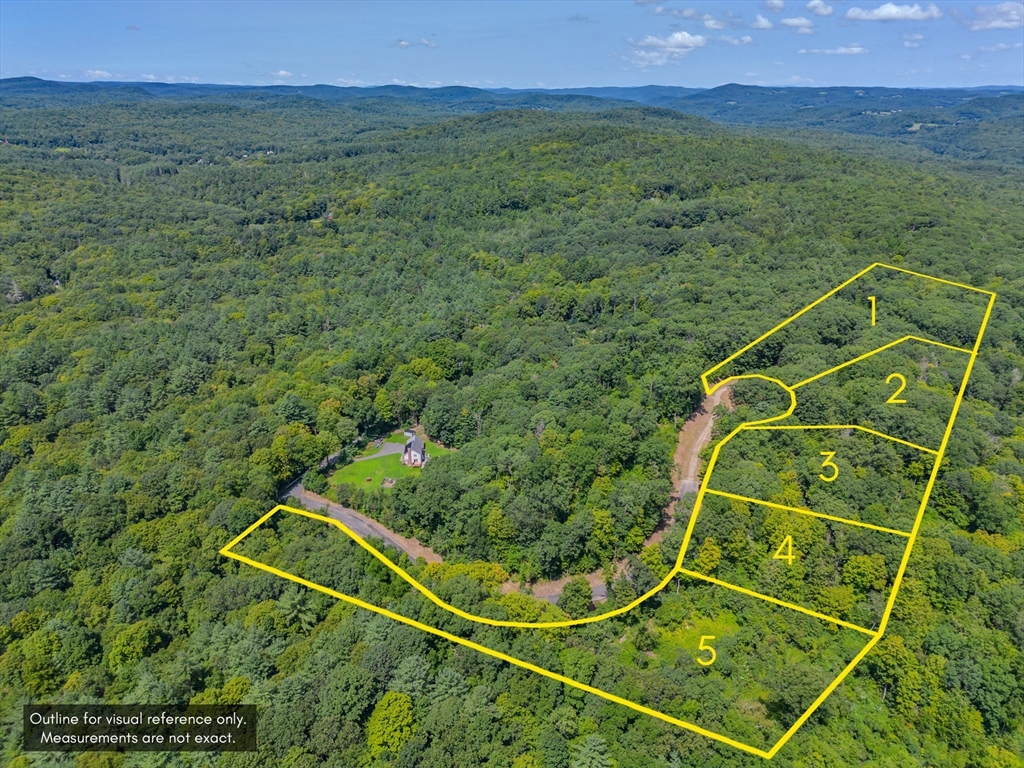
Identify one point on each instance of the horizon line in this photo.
(368, 86)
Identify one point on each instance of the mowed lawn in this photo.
(376, 470)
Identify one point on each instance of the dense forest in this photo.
(203, 297)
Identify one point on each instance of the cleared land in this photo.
(371, 472)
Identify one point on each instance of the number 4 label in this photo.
(785, 551)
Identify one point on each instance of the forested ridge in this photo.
(980, 126)
(202, 300)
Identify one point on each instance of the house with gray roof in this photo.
(415, 452)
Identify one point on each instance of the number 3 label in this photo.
(829, 464)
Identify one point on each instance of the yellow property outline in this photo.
(678, 570)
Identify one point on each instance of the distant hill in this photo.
(651, 95)
(984, 124)
(32, 93)
(773, 106)
(978, 124)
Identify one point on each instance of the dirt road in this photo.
(361, 524)
(693, 437)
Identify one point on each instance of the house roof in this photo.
(416, 443)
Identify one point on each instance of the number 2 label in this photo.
(895, 399)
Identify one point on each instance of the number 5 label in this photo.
(704, 647)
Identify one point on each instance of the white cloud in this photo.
(428, 43)
(966, 56)
(97, 74)
(819, 8)
(908, 44)
(712, 23)
(1002, 16)
(805, 31)
(774, 5)
(403, 44)
(761, 23)
(1000, 47)
(281, 73)
(685, 13)
(655, 51)
(798, 79)
(853, 49)
(893, 12)
(798, 23)
(150, 78)
(911, 41)
(745, 40)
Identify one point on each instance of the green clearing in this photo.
(688, 637)
(376, 470)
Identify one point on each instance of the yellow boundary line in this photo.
(499, 655)
(427, 593)
(824, 695)
(709, 389)
(935, 469)
(678, 569)
(842, 426)
(936, 279)
(810, 512)
(705, 376)
(783, 603)
(898, 580)
(882, 348)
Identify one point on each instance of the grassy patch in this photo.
(687, 638)
(377, 469)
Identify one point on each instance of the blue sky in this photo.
(519, 44)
